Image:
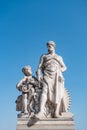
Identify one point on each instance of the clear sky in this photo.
(25, 27)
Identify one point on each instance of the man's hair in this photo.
(51, 43)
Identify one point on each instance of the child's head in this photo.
(27, 70)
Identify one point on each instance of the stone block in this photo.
(62, 123)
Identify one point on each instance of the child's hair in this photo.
(27, 70)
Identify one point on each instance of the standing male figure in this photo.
(51, 66)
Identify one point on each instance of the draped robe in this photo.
(51, 69)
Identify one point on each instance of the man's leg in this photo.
(57, 110)
(43, 101)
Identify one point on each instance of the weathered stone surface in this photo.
(62, 123)
(44, 101)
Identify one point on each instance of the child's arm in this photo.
(33, 81)
(20, 83)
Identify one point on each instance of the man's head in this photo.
(51, 46)
(27, 70)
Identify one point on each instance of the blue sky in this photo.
(25, 27)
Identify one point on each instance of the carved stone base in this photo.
(61, 123)
(22, 115)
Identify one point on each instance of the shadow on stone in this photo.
(32, 121)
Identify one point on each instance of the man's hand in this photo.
(60, 79)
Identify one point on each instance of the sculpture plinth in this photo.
(44, 102)
(61, 123)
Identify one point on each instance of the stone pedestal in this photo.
(62, 123)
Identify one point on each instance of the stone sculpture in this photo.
(45, 95)
(25, 102)
(53, 91)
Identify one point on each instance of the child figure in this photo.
(27, 87)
